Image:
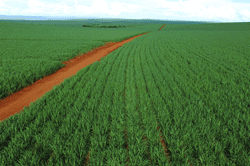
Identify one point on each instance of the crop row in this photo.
(157, 100)
(31, 52)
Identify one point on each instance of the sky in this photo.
(186, 10)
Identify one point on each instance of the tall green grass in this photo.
(193, 86)
(28, 52)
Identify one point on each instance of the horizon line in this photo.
(24, 17)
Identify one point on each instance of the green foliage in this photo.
(192, 87)
(87, 26)
(209, 27)
(30, 52)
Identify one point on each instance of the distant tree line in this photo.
(103, 26)
(87, 26)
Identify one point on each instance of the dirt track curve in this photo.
(17, 101)
(162, 27)
(23, 98)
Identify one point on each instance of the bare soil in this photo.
(162, 27)
(16, 102)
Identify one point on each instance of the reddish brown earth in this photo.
(17, 101)
(162, 27)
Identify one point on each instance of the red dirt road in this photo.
(162, 27)
(16, 102)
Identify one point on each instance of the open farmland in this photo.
(31, 51)
(178, 96)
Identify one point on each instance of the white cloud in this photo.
(2, 4)
(102, 7)
(202, 9)
(37, 8)
(207, 10)
(245, 12)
